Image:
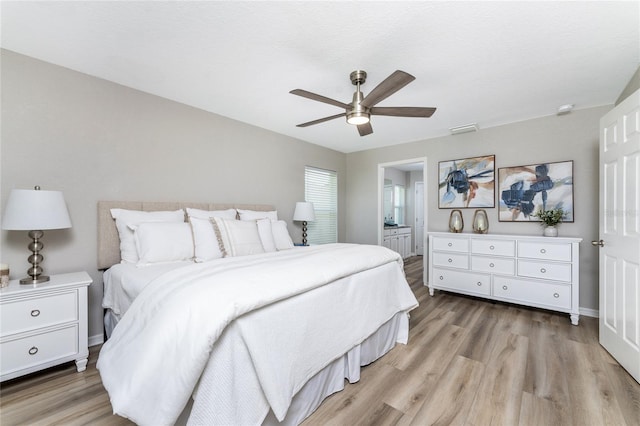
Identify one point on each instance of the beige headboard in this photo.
(108, 240)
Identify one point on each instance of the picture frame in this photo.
(525, 190)
(467, 183)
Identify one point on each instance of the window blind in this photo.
(321, 188)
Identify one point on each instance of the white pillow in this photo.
(255, 215)
(281, 235)
(206, 214)
(266, 235)
(125, 218)
(161, 242)
(237, 237)
(205, 240)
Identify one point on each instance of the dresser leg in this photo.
(431, 291)
(574, 319)
(81, 364)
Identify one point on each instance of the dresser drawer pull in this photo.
(543, 270)
(543, 251)
(450, 260)
(35, 313)
(504, 287)
(479, 284)
(33, 350)
(556, 295)
(491, 265)
(441, 277)
(450, 244)
(491, 247)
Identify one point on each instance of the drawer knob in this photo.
(33, 350)
(543, 251)
(35, 312)
(543, 270)
(556, 295)
(450, 260)
(491, 265)
(479, 284)
(504, 287)
(450, 244)
(491, 247)
(441, 277)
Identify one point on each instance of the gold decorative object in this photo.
(456, 223)
(480, 222)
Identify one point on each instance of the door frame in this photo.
(380, 221)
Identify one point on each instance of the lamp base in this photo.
(31, 280)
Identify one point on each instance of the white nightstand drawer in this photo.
(533, 292)
(38, 349)
(463, 282)
(545, 270)
(451, 244)
(37, 312)
(451, 260)
(493, 247)
(495, 265)
(547, 251)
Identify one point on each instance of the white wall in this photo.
(96, 140)
(554, 138)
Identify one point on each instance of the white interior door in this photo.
(419, 225)
(620, 233)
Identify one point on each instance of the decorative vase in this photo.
(456, 223)
(550, 231)
(480, 222)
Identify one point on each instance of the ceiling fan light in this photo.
(357, 118)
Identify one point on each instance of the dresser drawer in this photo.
(38, 349)
(493, 247)
(546, 251)
(545, 270)
(463, 282)
(532, 292)
(451, 260)
(451, 244)
(495, 265)
(38, 312)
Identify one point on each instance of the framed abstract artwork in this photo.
(467, 183)
(525, 190)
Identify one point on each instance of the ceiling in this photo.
(488, 63)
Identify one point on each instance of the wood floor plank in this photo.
(468, 361)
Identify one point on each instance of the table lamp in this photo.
(304, 213)
(35, 210)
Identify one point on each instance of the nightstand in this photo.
(42, 325)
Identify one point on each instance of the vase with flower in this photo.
(550, 219)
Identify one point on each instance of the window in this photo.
(321, 188)
(398, 203)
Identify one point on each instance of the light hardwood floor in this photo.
(468, 361)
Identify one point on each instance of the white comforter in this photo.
(151, 364)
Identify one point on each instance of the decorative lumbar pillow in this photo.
(126, 218)
(237, 237)
(204, 238)
(255, 214)
(281, 235)
(266, 235)
(162, 242)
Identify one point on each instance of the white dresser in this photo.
(43, 325)
(533, 271)
(398, 239)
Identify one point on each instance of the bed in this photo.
(248, 338)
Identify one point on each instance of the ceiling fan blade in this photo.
(319, 98)
(365, 129)
(388, 87)
(321, 120)
(403, 111)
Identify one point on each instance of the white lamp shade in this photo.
(304, 212)
(31, 209)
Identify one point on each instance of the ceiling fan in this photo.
(360, 110)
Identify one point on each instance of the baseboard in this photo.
(98, 339)
(587, 312)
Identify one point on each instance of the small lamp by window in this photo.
(34, 210)
(304, 213)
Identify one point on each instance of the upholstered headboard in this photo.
(108, 240)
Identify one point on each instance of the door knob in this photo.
(597, 243)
